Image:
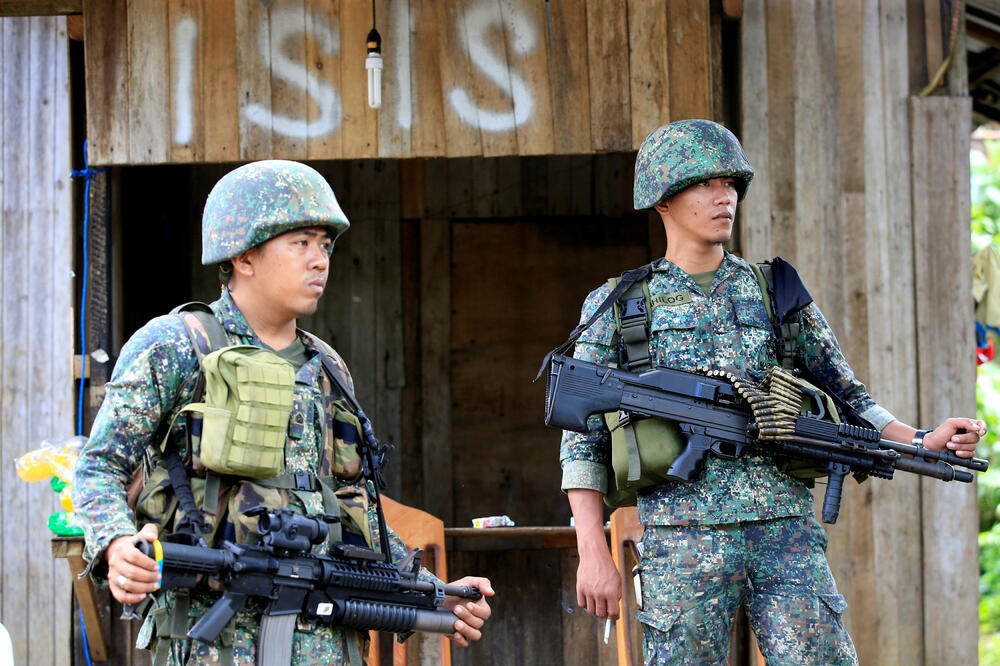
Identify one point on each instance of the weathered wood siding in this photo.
(224, 80)
(831, 128)
(36, 328)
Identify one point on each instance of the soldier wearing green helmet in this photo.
(743, 533)
(270, 227)
(258, 201)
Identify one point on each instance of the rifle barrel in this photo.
(976, 464)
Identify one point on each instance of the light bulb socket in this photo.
(374, 41)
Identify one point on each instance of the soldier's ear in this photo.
(244, 263)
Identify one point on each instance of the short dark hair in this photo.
(225, 273)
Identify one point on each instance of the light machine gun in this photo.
(354, 587)
(722, 414)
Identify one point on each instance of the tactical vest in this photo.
(223, 453)
(642, 449)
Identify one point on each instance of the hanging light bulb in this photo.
(374, 66)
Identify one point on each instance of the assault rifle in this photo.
(714, 416)
(355, 587)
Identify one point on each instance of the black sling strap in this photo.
(628, 278)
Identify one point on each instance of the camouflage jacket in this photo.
(156, 375)
(726, 330)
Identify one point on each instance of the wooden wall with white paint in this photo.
(228, 80)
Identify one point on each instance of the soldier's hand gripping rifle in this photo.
(722, 416)
(355, 587)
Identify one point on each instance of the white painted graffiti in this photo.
(473, 26)
(472, 33)
(400, 11)
(285, 24)
(185, 34)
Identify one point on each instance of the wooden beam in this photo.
(71, 549)
(983, 33)
(940, 129)
(40, 7)
(755, 212)
(732, 9)
(435, 363)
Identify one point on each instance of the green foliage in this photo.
(989, 649)
(985, 227)
(988, 409)
(985, 169)
(989, 581)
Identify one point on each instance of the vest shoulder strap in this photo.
(203, 328)
(787, 333)
(632, 318)
(765, 280)
(633, 311)
(333, 365)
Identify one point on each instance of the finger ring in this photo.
(121, 580)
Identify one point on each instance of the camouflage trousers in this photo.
(694, 579)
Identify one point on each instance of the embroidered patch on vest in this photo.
(670, 300)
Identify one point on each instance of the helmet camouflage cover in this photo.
(676, 156)
(258, 201)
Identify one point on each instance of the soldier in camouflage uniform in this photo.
(744, 532)
(270, 226)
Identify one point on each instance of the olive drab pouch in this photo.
(642, 449)
(247, 402)
(820, 404)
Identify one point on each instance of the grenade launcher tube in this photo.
(363, 596)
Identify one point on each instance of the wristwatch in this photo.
(918, 437)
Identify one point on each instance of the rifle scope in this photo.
(286, 529)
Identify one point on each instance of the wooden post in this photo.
(946, 370)
(36, 327)
(435, 363)
(71, 549)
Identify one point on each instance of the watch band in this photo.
(918, 437)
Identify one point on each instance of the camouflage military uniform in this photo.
(155, 376)
(731, 535)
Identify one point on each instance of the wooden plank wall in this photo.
(217, 80)
(509, 248)
(36, 327)
(829, 124)
(940, 127)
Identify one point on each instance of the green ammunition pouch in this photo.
(787, 334)
(803, 470)
(642, 449)
(641, 453)
(245, 411)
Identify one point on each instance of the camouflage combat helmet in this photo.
(258, 201)
(676, 156)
